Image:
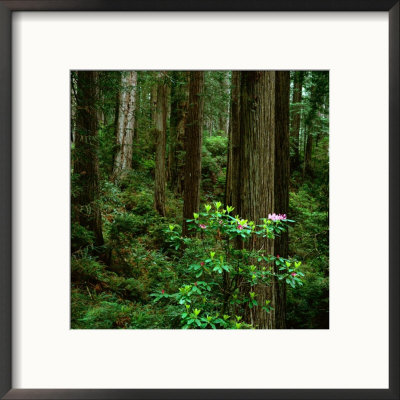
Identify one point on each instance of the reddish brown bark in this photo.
(179, 105)
(193, 140)
(160, 136)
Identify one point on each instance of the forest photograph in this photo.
(199, 199)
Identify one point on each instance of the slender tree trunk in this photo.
(73, 107)
(153, 104)
(296, 119)
(281, 182)
(138, 106)
(307, 169)
(232, 170)
(224, 114)
(86, 165)
(232, 167)
(179, 105)
(160, 133)
(193, 140)
(126, 123)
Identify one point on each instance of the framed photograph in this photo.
(199, 200)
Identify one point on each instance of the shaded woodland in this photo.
(199, 200)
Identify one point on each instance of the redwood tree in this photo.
(261, 184)
(85, 200)
(232, 170)
(160, 120)
(193, 141)
(125, 123)
(179, 104)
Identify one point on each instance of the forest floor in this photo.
(140, 261)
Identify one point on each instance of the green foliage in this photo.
(127, 225)
(311, 242)
(216, 145)
(214, 159)
(217, 270)
(81, 237)
(216, 104)
(107, 313)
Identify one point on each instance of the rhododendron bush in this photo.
(219, 284)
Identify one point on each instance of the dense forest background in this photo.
(168, 171)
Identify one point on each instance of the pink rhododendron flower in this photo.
(276, 217)
(240, 227)
(294, 274)
(202, 263)
(162, 291)
(202, 226)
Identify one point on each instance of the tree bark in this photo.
(232, 170)
(224, 114)
(153, 104)
(160, 136)
(257, 160)
(86, 164)
(179, 105)
(307, 170)
(193, 141)
(260, 184)
(125, 123)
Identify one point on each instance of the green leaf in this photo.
(226, 268)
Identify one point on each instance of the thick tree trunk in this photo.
(193, 140)
(296, 118)
(260, 183)
(86, 164)
(160, 136)
(281, 182)
(179, 105)
(257, 161)
(126, 123)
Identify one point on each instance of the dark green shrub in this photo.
(216, 145)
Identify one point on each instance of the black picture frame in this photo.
(6, 10)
